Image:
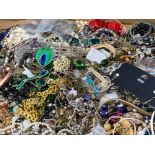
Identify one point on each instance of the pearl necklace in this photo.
(36, 126)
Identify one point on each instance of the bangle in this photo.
(107, 46)
(144, 29)
(106, 34)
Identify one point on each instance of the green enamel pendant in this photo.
(44, 56)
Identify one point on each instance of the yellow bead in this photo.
(107, 126)
(125, 124)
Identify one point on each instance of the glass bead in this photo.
(94, 41)
(79, 64)
(87, 97)
(85, 42)
(103, 113)
(104, 63)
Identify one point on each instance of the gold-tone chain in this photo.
(33, 108)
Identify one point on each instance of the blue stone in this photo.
(105, 108)
(146, 133)
(96, 90)
(43, 59)
(141, 105)
(2, 35)
(94, 41)
(92, 109)
(90, 81)
(103, 113)
(122, 109)
(87, 97)
(43, 73)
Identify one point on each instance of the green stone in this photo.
(44, 56)
(20, 85)
(40, 83)
(85, 42)
(79, 64)
(104, 63)
(74, 42)
(94, 41)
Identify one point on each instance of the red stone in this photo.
(115, 26)
(96, 24)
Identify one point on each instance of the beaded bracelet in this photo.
(144, 33)
(107, 34)
(130, 105)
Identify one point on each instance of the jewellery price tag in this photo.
(97, 55)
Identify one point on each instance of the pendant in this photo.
(44, 56)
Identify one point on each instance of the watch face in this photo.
(136, 81)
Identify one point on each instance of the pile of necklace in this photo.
(62, 85)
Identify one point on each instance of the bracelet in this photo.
(107, 46)
(107, 34)
(130, 105)
(142, 28)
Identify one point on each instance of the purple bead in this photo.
(105, 108)
(2, 35)
(103, 113)
(141, 105)
(87, 97)
(122, 110)
(146, 133)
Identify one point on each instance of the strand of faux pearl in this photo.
(6, 128)
(20, 131)
(11, 128)
(44, 124)
(36, 124)
(65, 130)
